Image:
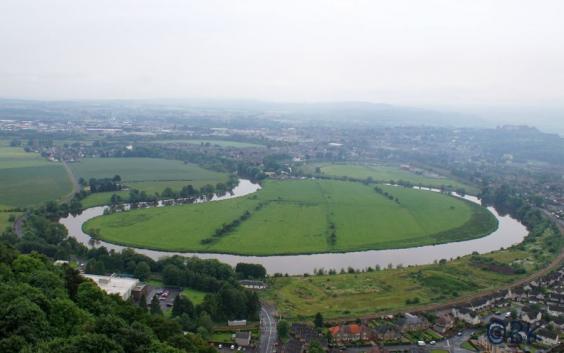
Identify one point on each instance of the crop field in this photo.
(27, 179)
(356, 294)
(385, 174)
(300, 217)
(221, 143)
(151, 175)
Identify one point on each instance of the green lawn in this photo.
(298, 216)
(196, 296)
(146, 174)
(27, 179)
(385, 174)
(221, 143)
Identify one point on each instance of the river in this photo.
(509, 232)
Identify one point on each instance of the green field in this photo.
(357, 294)
(299, 216)
(151, 175)
(27, 179)
(4, 219)
(195, 296)
(221, 143)
(384, 174)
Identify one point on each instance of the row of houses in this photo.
(539, 303)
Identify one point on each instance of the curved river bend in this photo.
(509, 232)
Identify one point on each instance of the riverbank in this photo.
(509, 232)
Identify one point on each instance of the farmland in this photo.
(27, 179)
(302, 216)
(384, 174)
(146, 174)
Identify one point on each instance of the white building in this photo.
(121, 286)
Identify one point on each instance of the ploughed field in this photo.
(151, 175)
(300, 217)
(27, 179)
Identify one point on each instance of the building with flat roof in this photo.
(121, 286)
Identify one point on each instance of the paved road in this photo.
(268, 332)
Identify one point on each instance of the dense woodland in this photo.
(53, 309)
(56, 309)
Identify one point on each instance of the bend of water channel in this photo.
(509, 232)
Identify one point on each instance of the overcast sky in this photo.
(419, 52)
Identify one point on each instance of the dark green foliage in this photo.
(250, 271)
(318, 320)
(155, 306)
(53, 310)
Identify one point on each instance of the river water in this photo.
(509, 232)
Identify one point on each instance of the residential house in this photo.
(349, 333)
(444, 323)
(243, 338)
(530, 315)
(308, 334)
(481, 304)
(386, 332)
(466, 315)
(410, 323)
(547, 337)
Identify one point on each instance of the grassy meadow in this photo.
(27, 179)
(151, 175)
(300, 216)
(384, 173)
(358, 294)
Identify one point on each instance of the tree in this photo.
(283, 329)
(142, 270)
(155, 306)
(182, 305)
(143, 302)
(315, 347)
(318, 320)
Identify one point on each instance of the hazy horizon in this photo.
(501, 60)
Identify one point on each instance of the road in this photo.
(451, 345)
(268, 332)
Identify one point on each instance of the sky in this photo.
(459, 53)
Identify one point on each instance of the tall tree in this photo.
(155, 306)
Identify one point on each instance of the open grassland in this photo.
(220, 143)
(142, 169)
(385, 174)
(151, 175)
(301, 216)
(27, 179)
(357, 294)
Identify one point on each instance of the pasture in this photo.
(27, 179)
(300, 217)
(384, 173)
(151, 175)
